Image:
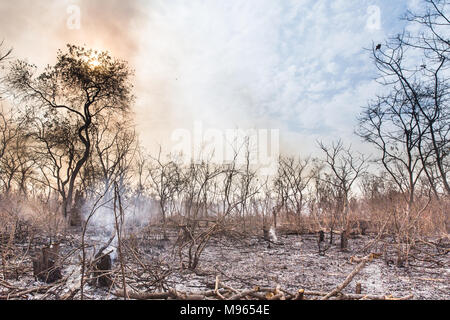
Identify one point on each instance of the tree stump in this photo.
(45, 265)
(364, 226)
(102, 272)
(344, 240)
(358, 288)
(321, 236)
(266, 234)
(75, 218)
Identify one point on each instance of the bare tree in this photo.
(433, 36)
(389, 124)
(346, 167)
(326, 201)
(166, 182)
(5, 121)
(17, 161)
(293, 178)
(114, 146)
(409, 125)
(423, 86)
(198, 181)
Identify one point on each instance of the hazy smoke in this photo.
(41, 26)
(273, 235)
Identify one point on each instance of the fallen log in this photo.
(243, 294)
(146, 295)
(372, 297)
(170, 294)
(22, 292)
(349, 278)
(350, 296)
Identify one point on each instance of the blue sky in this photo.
(297, 66)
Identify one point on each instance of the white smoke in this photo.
(273, 235)
(102, 221)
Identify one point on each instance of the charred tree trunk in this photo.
(320, 241)
(76, 216)
(102, 272)
(80, 163)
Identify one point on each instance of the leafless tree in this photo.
(409, 124)
(166, 181)
(293, 178)
(389, 124)
(433, 36)
(346, 167)
(114, 148)
(5, 120)
(17, 162)
(423, 86)
(326, 201)
(198, 181)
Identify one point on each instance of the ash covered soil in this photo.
(292, 263)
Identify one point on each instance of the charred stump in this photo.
(266, 233)
(358, 288)
(344, 240)
(102, 271)
(323, 247)
(364, 226)
(321, 236)
(45, 265)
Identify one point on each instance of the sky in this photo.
(297, 66)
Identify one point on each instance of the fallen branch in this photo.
(21, 292)
(350, 277)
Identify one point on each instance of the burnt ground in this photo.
(293, 263)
